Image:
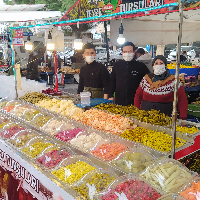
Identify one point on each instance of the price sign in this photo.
(17, 37)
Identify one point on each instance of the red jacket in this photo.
(161, 91)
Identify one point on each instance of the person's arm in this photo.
(105, 80)
(182, 103)
(81, 83)
(138, 97)
(112, 84)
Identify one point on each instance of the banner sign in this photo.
(17, 36)
(92, 8)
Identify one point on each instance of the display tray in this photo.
(49, 158)
(72, 169)
(135, 160)
(36, 145)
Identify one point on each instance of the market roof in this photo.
(21, 7)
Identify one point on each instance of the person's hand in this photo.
(78, 94)
(111, 98)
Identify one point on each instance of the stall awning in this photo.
(21, 7)
(159, 29)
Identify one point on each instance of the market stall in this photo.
(39, 133)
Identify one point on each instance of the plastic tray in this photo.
(167, 175)
(104, 154)
(3, 103)
(29, 146)
(52, 126)
(77, 173)
(45, 158)
(4, 121)
(21, 138)
(137, 188)
(189, 187)
(11, 105)
(67, 135)
(40, 119)
(101, 178)
(83, 141)
(10, 130)
(29, 114)
(134, 160)
(18, 110)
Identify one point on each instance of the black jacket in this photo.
(32, 68)
(93, 75)
(125, 79)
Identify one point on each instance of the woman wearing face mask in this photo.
(156, 90)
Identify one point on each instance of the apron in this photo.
(95, 92)
(166, 108)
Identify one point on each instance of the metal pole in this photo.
(106, 37)
(174, 114)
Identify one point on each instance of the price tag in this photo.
(47, 159)
(18, 140)
(32, 148)
(67, 173)
(121, 196)
(129, 164)
(92, 190)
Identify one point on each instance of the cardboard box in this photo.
(198, 77)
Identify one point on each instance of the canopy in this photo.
(159, 29)
(21, 7)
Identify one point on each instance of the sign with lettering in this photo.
(17, 37)
(92, 8)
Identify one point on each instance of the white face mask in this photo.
(128, 56)
(89, 59)
(159, 69)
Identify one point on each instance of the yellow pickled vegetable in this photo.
(183, 129)
(154, 139)
(100, 181)
(78, 170)
(36, 148)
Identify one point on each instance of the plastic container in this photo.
(10, 130)
(128, 187)
(36, 145)
(21, 138)
(3, 121)
(18, 110)
(72, 169)
(52, 126)
(53, 155)
(29, 114)
(85, 141)
(40, 119)
(109, 149)
(100, 178)
(167, 175)
(11, 105)
(133, 161)
(85, 98)
(191, 190)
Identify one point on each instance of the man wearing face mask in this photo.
(126, 76)
(93, 77)
(156, 90)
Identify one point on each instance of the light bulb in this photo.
(50, 44)
(78, 44)
(121, 39)
(28, 46)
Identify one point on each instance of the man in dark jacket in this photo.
(93, 77)
(126, 76)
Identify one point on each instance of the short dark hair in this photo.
(129, 44)
(141, 51)
(88, 46)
